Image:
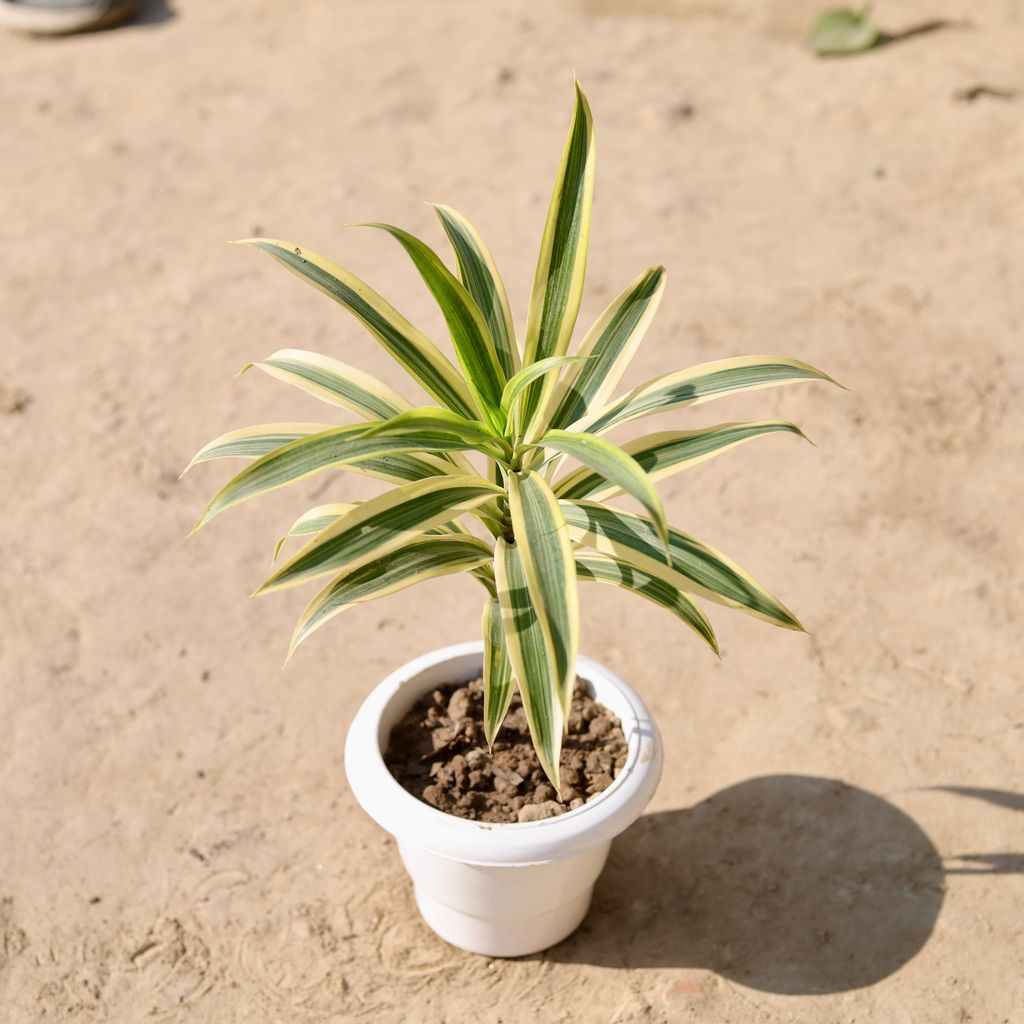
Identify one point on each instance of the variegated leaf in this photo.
(661, 455)
(543, 544)
(698, 568)
(515, 387)
(601, 568)
(529, 653)
(386, 457)
(319, 518)
(479, 274)
(466, 324)
(425, 559)
(431, 421)
(610, 345)
(252, 442)
(409, 346)
(700, 384)
(334, 382)
(499, 683)
(381, 525)
(558, 280)
(612, 463)
(313, 521)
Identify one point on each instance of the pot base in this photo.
(504, 937)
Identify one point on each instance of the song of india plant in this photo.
(524, 405)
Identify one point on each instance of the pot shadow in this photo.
(787, 883)
(150, 12)
(154, 12)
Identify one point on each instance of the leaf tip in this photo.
(712, 640)
(583, 104)
(799, 431)
(292, 647)
(827, 377)
(794, 623)
(200, 522)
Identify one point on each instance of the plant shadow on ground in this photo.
(786, 883)
(154, 12)
(986, 863)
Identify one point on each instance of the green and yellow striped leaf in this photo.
(479, 274)
(313, 521)
(558, 281)
(389, 458)
(498, 682)
(608, 569)
(698, 568)
(409, 346)
(381, 525)
(700, 384)
(425, 559)
(252, 442)
(334, 382)
(613, 464)
(484, 575)
(544, 546)
(431, 421)
(466, 324)
(611, 344)
(532, 665)
(515, 387)
(316, 519)
(661, 455)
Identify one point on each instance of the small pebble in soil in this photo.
(438, 753)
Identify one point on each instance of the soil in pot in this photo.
(438, 753)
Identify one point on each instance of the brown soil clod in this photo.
(438, 753)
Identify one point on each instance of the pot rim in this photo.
(414, 822)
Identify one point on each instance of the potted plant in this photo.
(527, 531)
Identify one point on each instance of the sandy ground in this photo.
(177, 841)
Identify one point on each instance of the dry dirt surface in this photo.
(838, 834)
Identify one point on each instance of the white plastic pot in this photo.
(499, 889)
